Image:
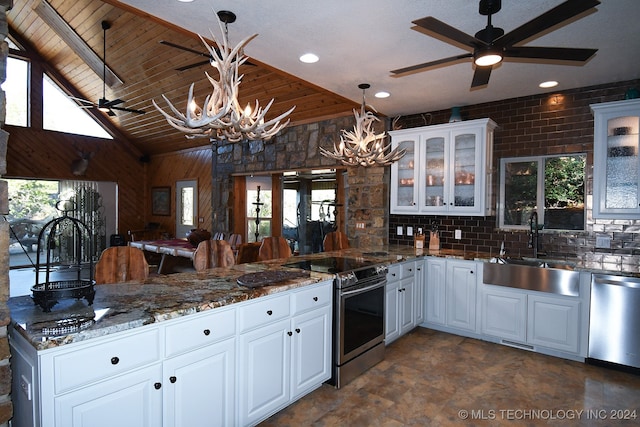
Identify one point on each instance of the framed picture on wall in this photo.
(161, 201)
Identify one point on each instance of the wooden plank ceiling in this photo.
(147, 69)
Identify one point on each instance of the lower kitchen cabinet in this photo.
(450, 294)
(504, 313)
(403, 309)
(553, 322)
(227, 366)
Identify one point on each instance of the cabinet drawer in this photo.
(310, 299)
(206, 328)
(394, 273)
(407, 269)
(263, 312)
(104, 359)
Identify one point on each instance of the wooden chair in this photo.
(213, 253)
(274, 248)
(335, 240)
(121, 264)
(235, 240)
(248, 252)
(218, 235)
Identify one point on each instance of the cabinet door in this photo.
(504, 313)
(616, 183)
(199, 386)
(311, 350)
(130, 400)
(461, 295)
(465, 172)
(553, 322)
(418, 292)
(264, 371)
(392, 321)
(406, 304)
(435, 285)
(404, 175)
(434, 163)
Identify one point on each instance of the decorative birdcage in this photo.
(64, 239)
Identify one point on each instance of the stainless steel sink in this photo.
(533, 274)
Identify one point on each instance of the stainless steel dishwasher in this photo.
(614, 326)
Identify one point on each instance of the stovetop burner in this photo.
(333, 265)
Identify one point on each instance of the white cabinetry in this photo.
(403, 301)
(285, 350)
(616, 165)
(450, 294)
(447, 169)
(504, 313)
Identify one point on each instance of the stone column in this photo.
(6, 408)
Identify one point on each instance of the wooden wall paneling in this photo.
(239, 213)
(276, 204)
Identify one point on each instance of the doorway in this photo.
(186, 206)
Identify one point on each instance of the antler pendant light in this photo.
(362, 146)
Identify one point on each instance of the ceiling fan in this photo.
(226, 17)
(491, 45)
(104, 104)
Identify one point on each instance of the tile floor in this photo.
(430, 378)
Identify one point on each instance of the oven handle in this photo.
(365, 288)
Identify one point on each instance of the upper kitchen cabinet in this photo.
(446, 169)
(616, 169)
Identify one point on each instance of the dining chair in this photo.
(335, 240)
(121, 264)
(219, 235)
(274, 248)
(235, 240)
(248, 252)
(212, 253)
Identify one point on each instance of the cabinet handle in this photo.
(157, 386)
(471, 271)
(115, 360)
(315, 298)
(419, 269)
(172, 379)
(298, 330)
(206, 332)
(393, 274)
(289, 333)
(269, 312)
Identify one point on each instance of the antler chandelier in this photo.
(362, 146)
(221, 117)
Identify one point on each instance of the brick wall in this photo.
(554, 123)
(6, 408)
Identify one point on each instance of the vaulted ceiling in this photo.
(357, 40)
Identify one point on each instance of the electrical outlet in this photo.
(360, 225)
(458, 234)
(603, 242)
(409, 231)
(399, 231)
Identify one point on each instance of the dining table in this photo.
(169, 249)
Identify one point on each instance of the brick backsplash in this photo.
(553, 123)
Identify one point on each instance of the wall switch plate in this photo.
(458, 234)
(399, 231)
(603, 242)
(409, 231)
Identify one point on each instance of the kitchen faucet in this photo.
(533, 233)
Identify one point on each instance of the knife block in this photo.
(434, 241)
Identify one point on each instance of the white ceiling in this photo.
(360, 41)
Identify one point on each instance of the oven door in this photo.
(360, 319)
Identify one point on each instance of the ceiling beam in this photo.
(75, 42)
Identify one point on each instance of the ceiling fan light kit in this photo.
(363, 146)
(221, 117)
(491, 45)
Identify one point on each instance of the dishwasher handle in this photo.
(608, 279)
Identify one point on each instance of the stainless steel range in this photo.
(358, 313)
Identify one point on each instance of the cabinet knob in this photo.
(269, 312)
(471, 271)
(115, 360)
(315, 298)
(411, 269)
(393, 274)
(206, 332)
(157, 386)
(289, 333)
(173, 379)
(419, 269)
(297, 330)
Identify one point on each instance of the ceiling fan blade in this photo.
(557, 53)
(177, 46)
(188, 67)
(436, 26)
(109, 104)
(425, 65)
(558, 14)
(481, 76)
(129, 110)
(83, 101)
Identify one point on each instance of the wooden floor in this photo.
(430, 378)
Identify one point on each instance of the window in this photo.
(258, 220)
(16, 89)
(62, 114)
(552, 186)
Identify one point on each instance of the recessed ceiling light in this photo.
(548, 84)
(309, 58)
(185, 1)
(382, 94)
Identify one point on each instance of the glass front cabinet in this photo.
(616, 166)
(446, 169)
